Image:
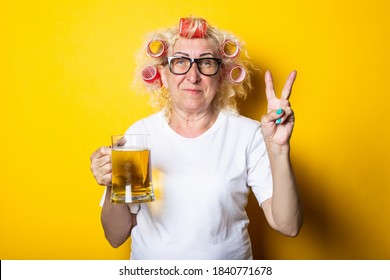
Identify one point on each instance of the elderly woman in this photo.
(211, 156)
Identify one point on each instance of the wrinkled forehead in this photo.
(195, 47)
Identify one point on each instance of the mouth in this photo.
(192, 91)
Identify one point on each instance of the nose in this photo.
(193, 75)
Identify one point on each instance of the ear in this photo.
(162, 70)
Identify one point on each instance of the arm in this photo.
(116, 219)
(283, 210)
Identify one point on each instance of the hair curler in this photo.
(230, 48)
(156, 48)
(186, 27)
(150, 74)
(237, 74)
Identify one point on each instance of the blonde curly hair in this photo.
(227, 96)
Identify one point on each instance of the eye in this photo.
(210, 63)
(180, 61)
(206, 62)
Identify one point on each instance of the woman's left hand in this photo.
(277, 124)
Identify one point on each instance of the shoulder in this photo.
(247, 131)
(147, 124)
(241, 122)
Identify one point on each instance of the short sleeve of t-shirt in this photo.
(259, 170)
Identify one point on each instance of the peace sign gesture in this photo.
(277, 124)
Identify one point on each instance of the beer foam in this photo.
(130, 149)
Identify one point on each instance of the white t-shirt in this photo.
(201, 187)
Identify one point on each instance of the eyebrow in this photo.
(186, 54)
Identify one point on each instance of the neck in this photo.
(192, 124)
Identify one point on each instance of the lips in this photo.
(192, 91)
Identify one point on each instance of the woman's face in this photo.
(192, 92)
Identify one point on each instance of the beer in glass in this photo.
(131, 169)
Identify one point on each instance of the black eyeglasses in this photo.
(208, 66)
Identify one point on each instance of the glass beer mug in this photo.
(131, 169)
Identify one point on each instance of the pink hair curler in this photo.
(237, 74)
(150, 74)
(230, 48)
(186, 27)
(156, 48)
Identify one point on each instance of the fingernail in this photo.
(278, 121)
(279, 111)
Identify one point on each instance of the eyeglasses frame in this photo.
(192, 61)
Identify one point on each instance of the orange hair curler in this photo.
(156, 48)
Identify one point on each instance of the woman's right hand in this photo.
(101, 166)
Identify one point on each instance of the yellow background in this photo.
(65, 74)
